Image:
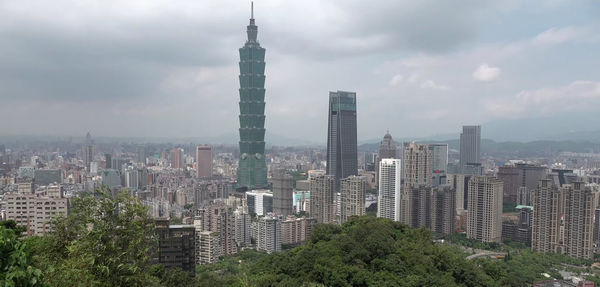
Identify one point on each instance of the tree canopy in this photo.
(104, 241)
(15, 259)
(365, 251)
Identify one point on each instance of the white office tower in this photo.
(388, 203)
(242, 227)
(269, 234)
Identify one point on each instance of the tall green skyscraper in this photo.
(252, 168)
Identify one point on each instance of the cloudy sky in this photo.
(169, 68)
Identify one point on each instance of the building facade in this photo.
(484, 216)
(581, 201)
(342, 156)
(390, 186)
(439, 165)
(218, 217)
(460, 183)
(519, 176)
(564, 218)
(34, 212)
(418, 162)
(260, 202)
(269, 234)
(470, 147)
(176, 246)
(204, 161)
(420, 203)
(443, 210)
(352, 197)
(547, 211)
(283, 190)
(207, 247)
(242, 228)
(322, 198)
(177, 158)
(296, 230)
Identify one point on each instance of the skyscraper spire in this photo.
(251, 29)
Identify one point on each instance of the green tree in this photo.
(15, 261)
(104, 241)
(11, 224)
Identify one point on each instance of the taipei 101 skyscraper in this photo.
(252, 168)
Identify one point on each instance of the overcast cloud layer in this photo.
(169, 68)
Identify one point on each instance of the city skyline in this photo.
(447, 69)
(341, 214)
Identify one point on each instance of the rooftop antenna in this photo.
(252, 10)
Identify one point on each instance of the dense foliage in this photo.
(365, 251)
(106, 241)
(15, 259)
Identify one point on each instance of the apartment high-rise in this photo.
(418, 161)
(252, 167)
(564, 218)
(524, 196)
(283, 191)
(548, 202)
(296, 230)
(269, 234)
(390, 181)
(470, 147)
(322, 198)
(218, 217)
(581, 201)
(484, 216)
(204, 161)
(207, 247)
(32, 211)
(420, 203)
(242, 227)
(342, 156)
(352, 197)
(418, 164)
(443, 210)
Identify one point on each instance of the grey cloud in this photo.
(165, 68)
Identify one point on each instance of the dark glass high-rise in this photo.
(342, 158)
(252, 168)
